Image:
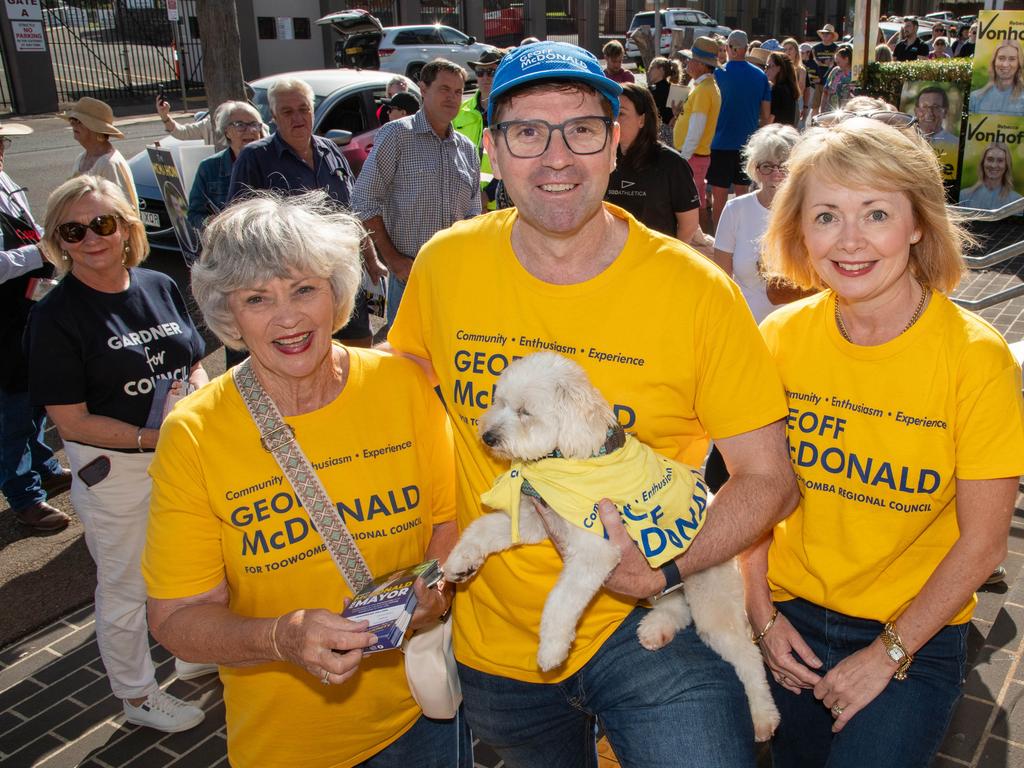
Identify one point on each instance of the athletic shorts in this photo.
(726, 169)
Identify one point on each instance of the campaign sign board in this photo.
(937, 107)
(175, 197)
(993, 164)
(997, 80)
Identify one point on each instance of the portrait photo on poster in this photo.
(997, 79)
(993, 165)
(938, 107)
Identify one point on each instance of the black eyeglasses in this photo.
(895, 119)
(530, 138)
(241, 125)
(485, 72)
(73, 232)
(767, 169)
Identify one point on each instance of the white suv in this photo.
(672, 19)
(365, 44)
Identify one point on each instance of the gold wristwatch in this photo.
(896, 650)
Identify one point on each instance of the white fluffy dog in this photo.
(545, 403)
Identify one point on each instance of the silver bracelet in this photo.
(138, 440)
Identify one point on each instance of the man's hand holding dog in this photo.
(633, 576)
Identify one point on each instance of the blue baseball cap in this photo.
(551, 61)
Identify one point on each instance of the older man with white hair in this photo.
(292, 161)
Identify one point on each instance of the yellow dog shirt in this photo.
(662, 502)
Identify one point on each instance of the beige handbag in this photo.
(431, 671)
(429, 661)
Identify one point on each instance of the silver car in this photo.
(366, 44)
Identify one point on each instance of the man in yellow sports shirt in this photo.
(564, 271)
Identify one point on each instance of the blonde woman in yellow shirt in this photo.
(906, 433)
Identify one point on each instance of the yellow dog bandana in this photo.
(662, 502)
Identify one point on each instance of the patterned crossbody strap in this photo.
(278, 439)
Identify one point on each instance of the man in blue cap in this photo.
(565, 271)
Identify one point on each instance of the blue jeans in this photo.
(395, 290)
(902, 727)
(428, 744)
(25, 459)
(681, 705)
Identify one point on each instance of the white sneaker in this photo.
(164, 712)
(187, 670)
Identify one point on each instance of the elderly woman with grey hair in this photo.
(237, 572)
(240, 124)
(745, 218)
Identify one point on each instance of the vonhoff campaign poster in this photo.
(993, 164)
(938, 107)
(997, 86)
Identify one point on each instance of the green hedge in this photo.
(885, 80)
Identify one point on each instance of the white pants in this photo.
(115, 514)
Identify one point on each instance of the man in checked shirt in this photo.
(421, 177)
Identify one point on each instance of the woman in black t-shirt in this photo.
(651, 181)
(785, 92)
(107, 346)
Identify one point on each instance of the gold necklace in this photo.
(913, 318)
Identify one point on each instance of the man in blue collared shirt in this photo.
(422, 176)
(293, 161)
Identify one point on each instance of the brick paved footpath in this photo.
(56, 709)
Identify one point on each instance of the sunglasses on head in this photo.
(895, 119)
(73, 232)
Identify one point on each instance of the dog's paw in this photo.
(551, 655)
(765, 723)
(655, 632)
(461, 564)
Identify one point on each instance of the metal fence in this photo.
(563, 21)
(119, 52)
(504, 22)
(447, 12)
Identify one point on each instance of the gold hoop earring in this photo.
(127, 252)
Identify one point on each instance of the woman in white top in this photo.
(745, 218)
(92, 122)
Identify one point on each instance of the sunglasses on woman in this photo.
(73, 232)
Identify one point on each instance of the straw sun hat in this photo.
(95, 115)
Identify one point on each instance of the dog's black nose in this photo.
(490, 438)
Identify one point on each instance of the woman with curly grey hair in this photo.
(238, 573)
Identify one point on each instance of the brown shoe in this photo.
(55, 485)
(42, 517)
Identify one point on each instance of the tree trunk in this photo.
(222, 62)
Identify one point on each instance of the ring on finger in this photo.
(323, 678)
(837, 710)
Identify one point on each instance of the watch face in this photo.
(895, 654)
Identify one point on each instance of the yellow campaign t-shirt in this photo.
(705, 99)
(662, 333)
(221, 510)
(662, 502)
(878, 437)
